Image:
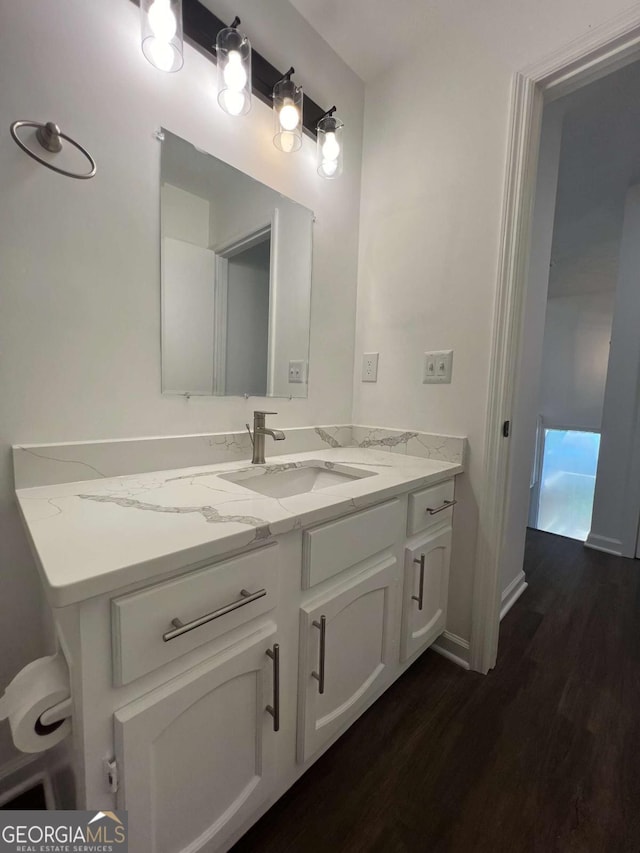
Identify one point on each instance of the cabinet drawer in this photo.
(425, 507)
(144, 636)
(331, 548)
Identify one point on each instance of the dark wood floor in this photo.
(543, 754)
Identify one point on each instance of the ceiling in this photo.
(599, 160)
(372, 35)
(364, 33)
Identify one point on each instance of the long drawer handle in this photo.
(420, 596)
(319, 676)
(442, 508)
(180, 627)
(274, 709)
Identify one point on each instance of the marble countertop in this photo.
(96, 536)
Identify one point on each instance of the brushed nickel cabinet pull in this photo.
(274, 709)
(180, 627)
(319, 676)
(444, 506)
(420, 596)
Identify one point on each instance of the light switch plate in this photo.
(370, 367)
(297, 372)
(437, 367)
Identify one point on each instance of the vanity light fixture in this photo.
(162, 44)
(329, 145)
(242, 72)
(233, 52)
(287, 113)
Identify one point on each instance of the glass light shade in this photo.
(287, 115)
(233, 51)
(330, 147)
(162, 44)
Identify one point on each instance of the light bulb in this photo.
(162, 21)
(289, 117)
(161, 54)
(235, 77)
(329, 167)
(330, 147)
(232, 102)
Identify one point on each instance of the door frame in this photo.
(601, 51)
(224, 251)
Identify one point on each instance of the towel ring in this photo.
(49, 136)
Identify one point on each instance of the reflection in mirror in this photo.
(236, 280)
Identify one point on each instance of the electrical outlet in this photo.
(437, 367)
(297, 372)
(370, 367)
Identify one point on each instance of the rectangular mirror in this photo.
(236, 261)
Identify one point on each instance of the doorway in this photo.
(508, 483)
(599, 168)
(248, 321)
(244, 314)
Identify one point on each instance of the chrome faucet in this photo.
(259, 432)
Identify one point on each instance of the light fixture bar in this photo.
(201, 28)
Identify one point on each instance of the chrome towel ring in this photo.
(49, 136)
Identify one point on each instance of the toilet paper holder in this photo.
(37, 704)
(53, 717)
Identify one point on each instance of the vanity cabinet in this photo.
(210, 691)
(197, 756)
(348, 643)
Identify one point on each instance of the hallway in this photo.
(541, 755)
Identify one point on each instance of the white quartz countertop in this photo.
(97, 536)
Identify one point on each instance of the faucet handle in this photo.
(265, 413)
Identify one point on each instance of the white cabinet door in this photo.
(197, 756)
(348, 645)
(426, 588)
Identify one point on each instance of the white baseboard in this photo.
(453, 648)
(604, 543)
(512, 593)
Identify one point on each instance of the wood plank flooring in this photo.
(541, 755)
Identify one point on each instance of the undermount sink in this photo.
(305, 477)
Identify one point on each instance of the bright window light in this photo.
(568, 482)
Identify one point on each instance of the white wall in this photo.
(616, 500)
(184, 216)
(436, 131)
(187, 317)
(574, 364)
(79, 260)
(187, 301)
